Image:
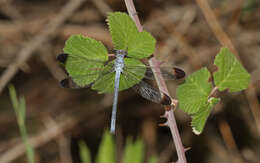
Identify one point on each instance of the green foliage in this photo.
(80, 65)
(125, 36)
(142, 45)
(195, 93)
(199, 119)
(84, 153)
(122, 29)
(85, 47)
(87, 57)
(231, 74)
(133, 152)
(106, 151)
(20, 108)
(106, 83)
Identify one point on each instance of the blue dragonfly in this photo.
(129, 73)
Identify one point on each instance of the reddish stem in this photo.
(171, 122)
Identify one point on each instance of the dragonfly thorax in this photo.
(119, 62)
(121, 52)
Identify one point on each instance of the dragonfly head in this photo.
(121, 52)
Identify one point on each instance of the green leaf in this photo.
(85, 55)
(125, 36)
(105, 84)
(231, 74)
(199, 119)
(122, 29)
(84, 153)
(141, 46)
(106, 151)
(193, 93)
(134, 152)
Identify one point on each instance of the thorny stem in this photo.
(171, 122)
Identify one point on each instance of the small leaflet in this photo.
(231, 74)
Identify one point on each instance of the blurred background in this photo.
(33, 33)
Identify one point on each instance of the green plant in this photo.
(87, 56)
(85, 61)
(133, 152)
(20, 108)
(196, 94)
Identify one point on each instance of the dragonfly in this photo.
(120, 68)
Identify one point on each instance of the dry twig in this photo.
(37, 41)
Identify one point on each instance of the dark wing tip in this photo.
(179, 73)
(166, 100)
(62, 58)
(65, 83)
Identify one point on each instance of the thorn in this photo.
(186, 149)
(163, 124)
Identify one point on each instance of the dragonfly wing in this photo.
(167, 72)
(152, 94)
(63, 57)
(88, 70)
(148, 92)
(69, 83)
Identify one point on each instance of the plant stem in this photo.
(213, 91)
(171, 122)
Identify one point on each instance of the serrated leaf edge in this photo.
(210, 102)
(226, 51)
(111, 30)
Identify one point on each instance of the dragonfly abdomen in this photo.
(119, 65)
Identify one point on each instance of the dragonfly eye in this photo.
(123, 52)
(179, 73)
(62, 58)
